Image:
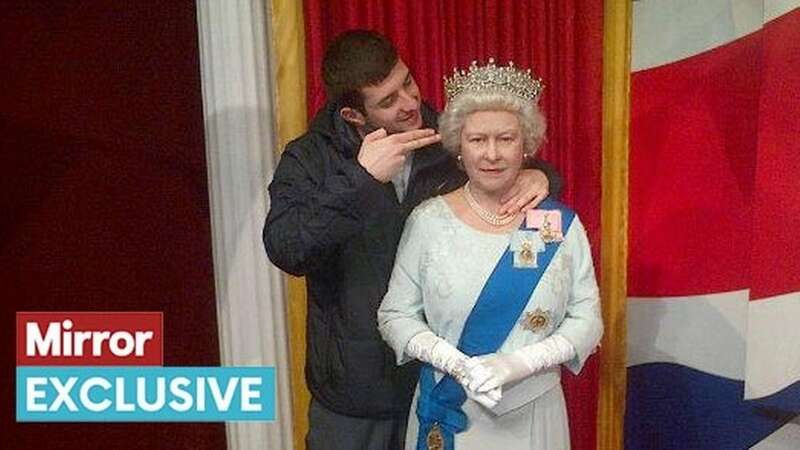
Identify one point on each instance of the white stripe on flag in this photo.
(773, 345)
(704, 332)
(666, 31)
(776, 8)
(784, 438)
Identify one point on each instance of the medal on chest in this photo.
(548, 222)
(526, 246)
(536, 321)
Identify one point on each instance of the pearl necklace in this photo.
(488, 217)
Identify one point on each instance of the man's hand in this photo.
(383, 155)
(528, 191)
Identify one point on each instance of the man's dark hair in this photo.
(356, 59)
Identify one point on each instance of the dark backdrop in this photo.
(103, 193)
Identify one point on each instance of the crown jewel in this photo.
(494, 78)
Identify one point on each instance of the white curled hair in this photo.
(532, 122)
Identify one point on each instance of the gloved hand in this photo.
(490, 398)
(430, 348)
(492, 371)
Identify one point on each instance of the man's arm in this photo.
(312, 213)
(314, 209)
(537, 181)
(553, 177)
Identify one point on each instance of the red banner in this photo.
(90, 339)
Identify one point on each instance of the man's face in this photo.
(393, 103)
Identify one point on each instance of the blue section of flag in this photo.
(670, 406)
(122, 394)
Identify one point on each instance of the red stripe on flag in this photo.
(693, 140)
(776, 233)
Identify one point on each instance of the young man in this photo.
(339, 198)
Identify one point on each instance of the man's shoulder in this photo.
(314, 143)
(310, 141)
(319, 137)
(308, 155)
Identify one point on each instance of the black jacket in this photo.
(334, 223)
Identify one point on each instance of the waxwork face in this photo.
(492, 151)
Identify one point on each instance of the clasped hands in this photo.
(483, 377)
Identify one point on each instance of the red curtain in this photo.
(560, 40)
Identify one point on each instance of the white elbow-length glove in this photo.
(490, 372)
(430, 348)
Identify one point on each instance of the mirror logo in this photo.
(108, 367)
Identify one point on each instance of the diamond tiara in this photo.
(493, 78)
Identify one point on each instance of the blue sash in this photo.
(500, 304)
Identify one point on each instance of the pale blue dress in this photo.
(441, 267)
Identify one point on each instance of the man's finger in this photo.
(511, 205)
(533, 203)
(512, 193)
(380, 133)
(422, 142)
(521, 202)
(412, 135)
